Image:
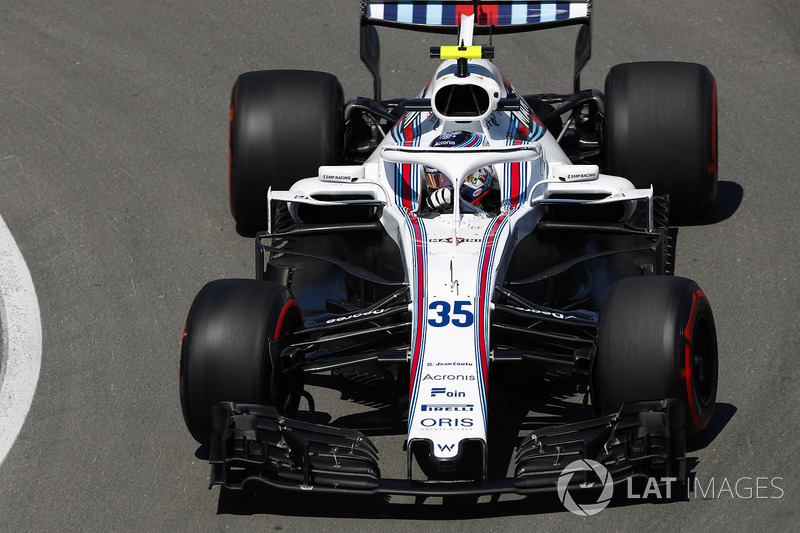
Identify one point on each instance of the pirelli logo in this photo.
(447, 407)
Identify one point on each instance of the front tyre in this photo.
(661, 130)
(284, 125)
(226, 350)
(657, 340)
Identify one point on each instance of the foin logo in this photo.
(585, 509)
(450, 394)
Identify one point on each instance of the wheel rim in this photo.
(704, 362)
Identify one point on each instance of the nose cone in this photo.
(469, 462)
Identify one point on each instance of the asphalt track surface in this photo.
(113, 132)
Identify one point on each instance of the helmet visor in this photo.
(437, 180)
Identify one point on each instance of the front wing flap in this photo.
(253, 443)
(645, 439)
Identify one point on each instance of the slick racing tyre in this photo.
(661, 130)
(225, 351)
(657, 340)
(284, 125)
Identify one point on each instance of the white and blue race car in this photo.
(441, 251)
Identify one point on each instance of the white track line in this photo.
(20, 340)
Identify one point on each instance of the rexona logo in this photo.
(585, 509)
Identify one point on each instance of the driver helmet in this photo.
(477, 184)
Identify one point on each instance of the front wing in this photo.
(253, 443)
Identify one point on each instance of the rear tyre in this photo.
(661, 129)
(657, 340)
(225, 351)
(284, 125)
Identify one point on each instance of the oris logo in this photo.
(446, 422)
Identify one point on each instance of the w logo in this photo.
(446, 447)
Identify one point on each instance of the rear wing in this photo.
(491, 17)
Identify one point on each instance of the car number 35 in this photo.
(458, 313)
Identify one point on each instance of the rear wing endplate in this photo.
(490, 17)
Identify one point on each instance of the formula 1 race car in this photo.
(446, 250)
